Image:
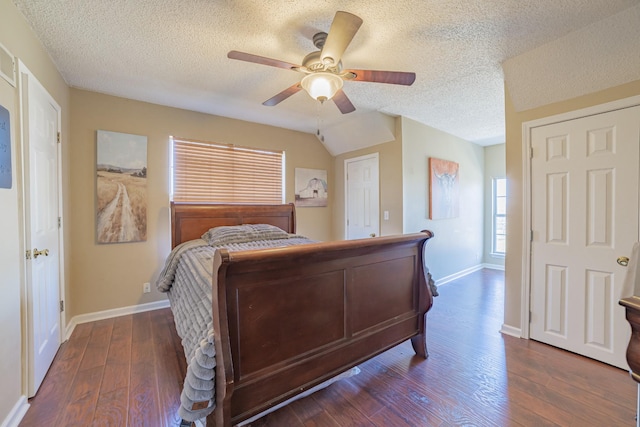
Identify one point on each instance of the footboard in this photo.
(288, 319)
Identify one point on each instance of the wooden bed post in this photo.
(632, 310)
(419, 342)
(224, 382)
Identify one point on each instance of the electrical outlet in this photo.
(146, 287)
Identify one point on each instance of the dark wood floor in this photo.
(128, 371)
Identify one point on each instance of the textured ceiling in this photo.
(600, 55)
(175, 53)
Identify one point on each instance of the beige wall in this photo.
(514, 121)
(111, 276)
(390, 175)
(17, 37)
(404, 193)
(494, 167)
(457, 245)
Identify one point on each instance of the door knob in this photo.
(37, 253)
(623, 261)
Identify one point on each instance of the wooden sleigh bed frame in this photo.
(288, 319)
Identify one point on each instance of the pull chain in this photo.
(319, 134)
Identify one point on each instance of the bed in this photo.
(287, 319)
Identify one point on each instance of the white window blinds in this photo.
(219, 173)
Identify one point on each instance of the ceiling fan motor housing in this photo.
(313, 63)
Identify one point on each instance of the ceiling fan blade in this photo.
(343, 103)
(343, 28)
(283, 95)
(248, 57)
(391, 77)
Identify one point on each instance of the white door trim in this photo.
(346, 187)
(527, 127)
(25, 78)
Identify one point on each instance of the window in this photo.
(499, 216)
(220, 173)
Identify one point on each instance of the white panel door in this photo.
(362, 197)
(41, 232)
(584, 216)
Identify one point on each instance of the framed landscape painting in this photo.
(121, 187)
(444, 194)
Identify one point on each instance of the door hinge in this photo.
(59, 222)
(530, 315)
(61, 306)
(28, 254)
(531, 152)
(531, 236)
(58, 137)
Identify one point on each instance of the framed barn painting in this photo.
(311, 187)
(121, 187)
(444, 194)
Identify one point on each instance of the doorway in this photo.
(42, 207)
(583, 215)
(362, 197)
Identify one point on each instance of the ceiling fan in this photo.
(323, 68)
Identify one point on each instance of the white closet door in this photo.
(584, 216)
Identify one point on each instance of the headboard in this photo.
(190, 220)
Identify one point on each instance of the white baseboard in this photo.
(116, 312)
(462, 273)
(493, 266)
(511, 330)
(17, 413)
(459, 274)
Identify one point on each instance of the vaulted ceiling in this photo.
(175, 53)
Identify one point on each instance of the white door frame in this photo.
(346, 188)
(527, 127)
(26, 78)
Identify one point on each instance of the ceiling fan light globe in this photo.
(321, 86)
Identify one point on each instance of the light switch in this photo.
(386, 215)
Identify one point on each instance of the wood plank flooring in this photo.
(128, 371)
